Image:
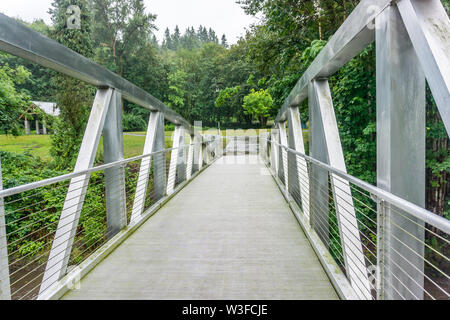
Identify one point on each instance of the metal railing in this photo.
(377, 263)
(32, 213)
(53, 212)
(411, 40)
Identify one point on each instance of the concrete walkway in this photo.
(228, 235)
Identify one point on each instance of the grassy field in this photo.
(39, 145)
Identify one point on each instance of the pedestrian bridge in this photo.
(242, 217)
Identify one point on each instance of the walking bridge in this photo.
(250, 217)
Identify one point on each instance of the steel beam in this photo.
(428, 27)
(283, 172)
(318, 179)
(116, 212)
(68, 222)
(181, 163)
(21, 41)
(400, 153)
(298, 172)
(343, 201)
(274, 158)
(159, 160)
(174, 158)
(198, 152)
(154, 128)
(5, 288)
(190, 158)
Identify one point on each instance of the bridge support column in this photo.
(5, 288)
(400, 155)
(181, 163)
(65, 233)
(198, 152)
(274, 158)
(329, 140)
(298, 168)
(176, 161)
(282, 153)
(318, 186)
(190, 158)
(154, 141)
(427, 24)
(116, 212)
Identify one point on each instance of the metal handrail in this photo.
(50, 181)
(348, 41)
(413, 209)
(19, 40)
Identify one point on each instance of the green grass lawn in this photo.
(39, 145)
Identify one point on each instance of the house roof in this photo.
(48, 107)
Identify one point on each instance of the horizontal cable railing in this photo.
(397, 265)
(32, 212)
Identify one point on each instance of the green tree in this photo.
(120, 27)
(258, 104)
(72, 96)
(224, 41)
(13, 101)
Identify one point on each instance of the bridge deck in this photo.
(228, 235)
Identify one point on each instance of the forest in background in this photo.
(198, 74)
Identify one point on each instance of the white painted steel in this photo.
(5, 289)
(343, 200)
(428, 27)
(144, 171)
(171, 179)
(65, 232)
(296, 142)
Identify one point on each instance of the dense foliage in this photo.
(198, 74)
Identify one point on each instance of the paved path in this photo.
(228, 235)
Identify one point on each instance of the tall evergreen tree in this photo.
(73, 97)
(224, 42)
(212, 36)
(176, 37)
(122, 27)
(167, 41)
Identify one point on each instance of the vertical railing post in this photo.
(116, 212)
(381, 250)
(352, 247)
(155, 132)
(274, 150)
(318, 185)
(401, 152)
(190, 157)
(5, 288)
(298, 172)
(283, 167)
(174, 158)
(181, 163)
(159, 160)
(198, 152)
(67, 225)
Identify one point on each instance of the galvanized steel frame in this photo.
(426, 25)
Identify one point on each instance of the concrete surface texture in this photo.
(229, 234)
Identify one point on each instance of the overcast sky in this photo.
(224, 16)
